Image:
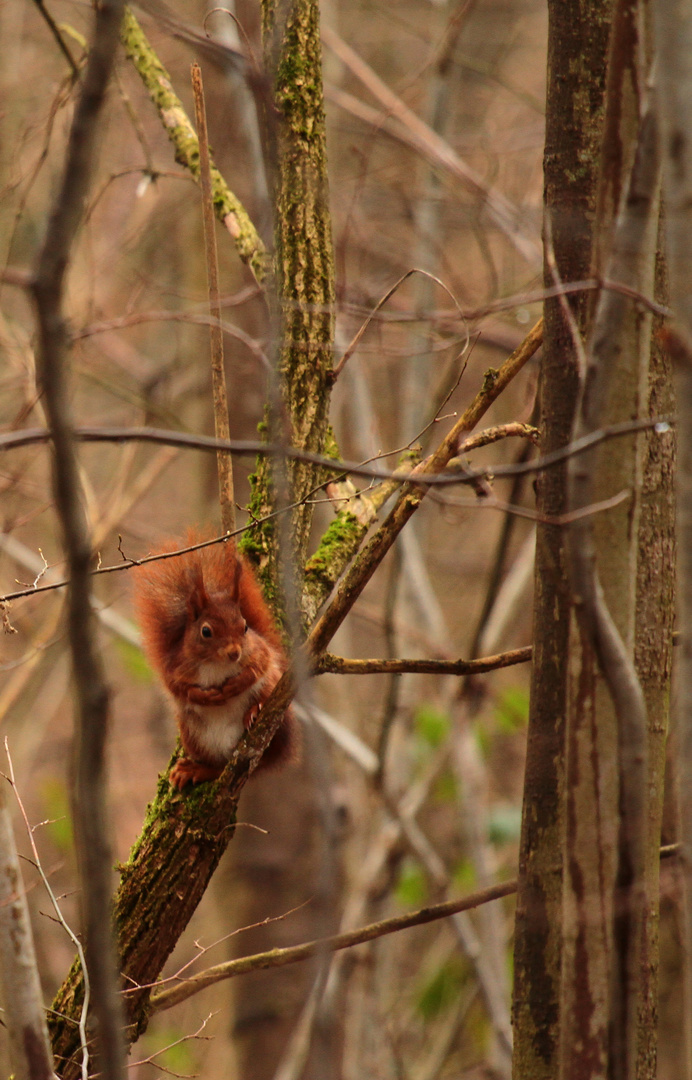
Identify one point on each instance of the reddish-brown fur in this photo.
(220, 683)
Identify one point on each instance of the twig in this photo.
(22, 280)
(203, 949)
(506, 216)
(60, 918)
(411, 497)
(500, 431)
(489, 502)
(12, 546)
(115, 623)
(350, 349)
(507, 598)
(497, 571)
(14, 440)
(280, 957)
(55, 31)
(341, 666)
(194, 317)
(224, 461)
(24, 1015)
(340, 735)
(90, 686)
(392, 692)
(157, 1053)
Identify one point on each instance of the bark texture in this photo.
(653, 656)
(290, 863)
(577, 54)
(304, 260)
(673, 33)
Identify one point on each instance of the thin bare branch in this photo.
(342, 666)
(420, 135)
(24, 1015)
(60, 41)
(411, 497)
(14, 440)
(224, 461)
(60, 918)
(198, 317)
(350, 349)
(180, 131)
(500, 431)
(280, 957)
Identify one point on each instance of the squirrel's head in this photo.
(215, 626)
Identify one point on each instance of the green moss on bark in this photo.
(229, 210)
(304, 264)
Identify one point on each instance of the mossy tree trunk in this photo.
(304, 263)
(183, 838)
(293, 862)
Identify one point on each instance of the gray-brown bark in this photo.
(653, 657)
(577, 52)
(607, 739)
(673, 35)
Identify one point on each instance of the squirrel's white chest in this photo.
(217, 728)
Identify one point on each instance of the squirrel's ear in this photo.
(197, 597)
(236, 579)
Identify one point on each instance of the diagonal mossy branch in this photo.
(412, 494)
(184, 836)
(344, 535)
(228, 208)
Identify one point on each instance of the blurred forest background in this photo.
(346, 842)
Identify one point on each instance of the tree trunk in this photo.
(653, 655)
(577, 55)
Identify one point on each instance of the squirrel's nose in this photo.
(233, 652)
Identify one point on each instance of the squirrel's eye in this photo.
(206, 630)
(245, 628)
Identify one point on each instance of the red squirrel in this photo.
(207, 631)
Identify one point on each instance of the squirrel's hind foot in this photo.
(186, 771)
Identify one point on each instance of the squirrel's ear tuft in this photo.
(238, 569)
(197, 599)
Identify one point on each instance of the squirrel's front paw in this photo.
(213, 695)
(186, 771)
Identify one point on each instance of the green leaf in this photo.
(483, 738)
(57, 811)
(411, 890)
(441, 989)
(178, 1058)
(512, 712)
(504, 824)
(464, 875)
(445, 790)
(432, 725)
(134, 661)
